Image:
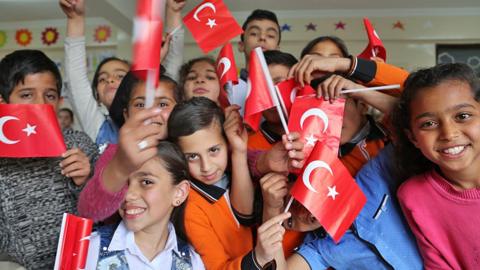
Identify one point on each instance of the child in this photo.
(217, 206)
(438, 123)
(140, 131)
(65, 118)
(151, 233)
(35, 192)
(198, 78)
(92, 110)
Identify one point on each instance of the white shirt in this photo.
(123, 239)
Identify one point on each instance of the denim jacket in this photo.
(379, 237)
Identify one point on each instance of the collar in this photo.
(243, 74)
(211, 192)
(123, 239)
(370, 131)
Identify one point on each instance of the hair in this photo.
(185, 69)
(192, 115)
(67, 110)
(173, 160)
(275, 57)
(261, 14)
(410, 160)
(97, 74)
(124, 94)
(15, 66)
(336, 40)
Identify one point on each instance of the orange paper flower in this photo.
(50, 36)
(3, 38)
(102, 33)
(23, 37)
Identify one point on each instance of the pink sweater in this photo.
(445, 221)
(95, 201)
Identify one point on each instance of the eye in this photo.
(428, 124)
(119, 76)
(146, 182)
(102, 80)
(191, 157)
(463, 116)
(211, 78)
(26, 95)
(272, 36)
(140, 105)
(163, 104)
(214, 149)
(52, 97)
(191, 78)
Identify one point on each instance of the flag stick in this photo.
(175, 30)
(288, 204)
(386, 87)
(271, 88)
(149, 89)
(284, 108)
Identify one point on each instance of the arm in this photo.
(242, 190)
(174, 58)
(79, 91)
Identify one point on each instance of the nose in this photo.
(449, 130)
(132, 193)
(200, 79)
(263, 36)
(205, 164)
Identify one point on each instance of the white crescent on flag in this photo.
(3, 138)
(249, 88)
(376, 35)
(293, 94)
(204, 6)
(315, 112)
(308, 171)
(226, 65)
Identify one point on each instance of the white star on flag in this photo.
(332, 192)
(211, 23)
(311, 140)
(30, 130)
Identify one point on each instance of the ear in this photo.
(241, 46)
(411, 137)
(181, 193)
(125, 114)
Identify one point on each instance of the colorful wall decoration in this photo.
(23, 37)
(50, 36)
(3, 38)
(102, 33)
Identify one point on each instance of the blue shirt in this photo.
(107, 134)
(380, 238)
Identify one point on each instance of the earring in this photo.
(177, 202)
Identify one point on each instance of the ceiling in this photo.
(120, 12)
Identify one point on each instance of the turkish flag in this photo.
(30, 130)
(211, 24)
(328, 191)
(258, 95)
(317, 120)
(289, 89)
(375, 46)
(227, 72)
(147, 38)
(73, 244)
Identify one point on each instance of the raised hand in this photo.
(269, 239)
(76, 165)
(73, 8)
(312, 66)
(236, 133)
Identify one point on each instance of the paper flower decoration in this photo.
(102, 33)
(23, 37)
(50, 36)
(3, 38)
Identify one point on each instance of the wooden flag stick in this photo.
(288, 204)
(149, 89)
(386, 87)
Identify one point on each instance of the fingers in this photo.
(143, 117)
(272, 225)
(75, 161)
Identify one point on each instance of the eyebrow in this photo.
(141, 174)
(454, 108)
(117, 69)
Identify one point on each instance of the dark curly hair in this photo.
(409, 160)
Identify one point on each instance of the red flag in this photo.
(30, 130)
(328, 191)
(73, 244)
(147, 38)
(211, 24)
(375, 46)
(227, 72)
(290, 89)
(317, 120)
(258, 95)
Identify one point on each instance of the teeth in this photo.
(454, 150)
(134, 211)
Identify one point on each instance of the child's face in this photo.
(164, 99)
(36, 88)
(206, 153)
(202, 81)
(327, 49)
(259, 33)
(150, 198)
(445, 126)
(110, 77)
(64, 119)
(353, 119)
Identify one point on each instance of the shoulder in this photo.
(80, 139)
(414, 189)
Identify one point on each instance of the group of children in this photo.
(185, 185)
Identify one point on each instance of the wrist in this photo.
(343, 65)
(259, 260)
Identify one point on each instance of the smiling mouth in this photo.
(132, 213)
(454, 151)
(210, 177)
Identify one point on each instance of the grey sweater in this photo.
(33, 197)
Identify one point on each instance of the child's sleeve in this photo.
(95, 201)
(79, 91)
(207, 244)
(174, 58)
(4, 238)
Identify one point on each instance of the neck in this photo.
(152, 240)
(463, 180)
